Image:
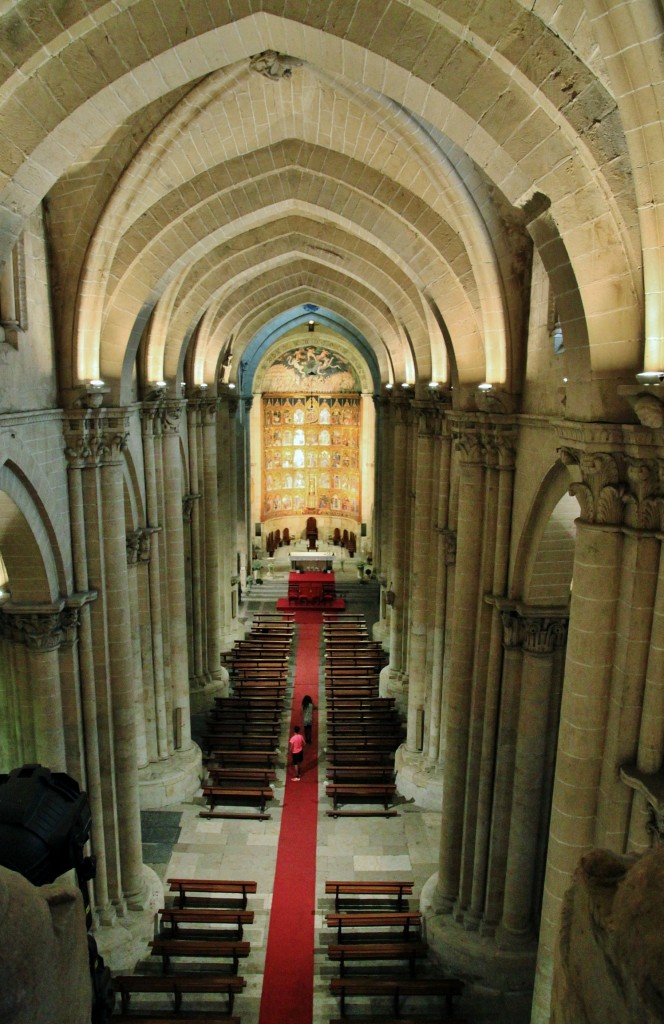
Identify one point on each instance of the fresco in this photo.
(313, 368)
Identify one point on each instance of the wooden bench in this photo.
(264, 776)
(346, 951)
(368, 792)
(246, 689)
(185, 887)
(365, 772)
(374, 889)
(376, 919)
(177, 985)
(249, 793)
(335, 743)
(246, 741)
(229, 758)
(397, 989)
(196, 948)
(244, 717)
(173, 917)
(365, 727)
(354, 758)
(249, 701)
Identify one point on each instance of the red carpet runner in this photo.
(288, 983)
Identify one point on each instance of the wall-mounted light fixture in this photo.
(649, 377)
(311, 326)
(484, 387)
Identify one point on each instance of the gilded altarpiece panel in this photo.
(311, 455)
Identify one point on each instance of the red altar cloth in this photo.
(311, 587)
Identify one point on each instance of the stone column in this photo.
(211, 519)
(638, 585)
(586, 690)
(41, 631)
(505, 466)
(196, 548)
(508, 719)
(120, 656)
(383, 529)
(541, 636)
(422, 578)
(396, 583)
(151, 423)
(136, 554)
(468, 561)
(78, 454)
(225, 530)
(442, 547)
(173, 493)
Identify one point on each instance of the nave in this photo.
(356, 847)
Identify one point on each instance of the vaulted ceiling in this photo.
(210, 169)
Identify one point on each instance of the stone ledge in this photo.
(163, 783)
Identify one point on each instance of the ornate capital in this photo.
(643, 502)
(95, 437)
(41, 631)
(601, 490)
(169, 413)
(543, 635)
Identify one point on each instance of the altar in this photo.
(311, 561)
(311, 587)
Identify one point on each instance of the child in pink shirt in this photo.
(296, 744)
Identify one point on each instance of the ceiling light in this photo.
(484, 387)
(648, 377)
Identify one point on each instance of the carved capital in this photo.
(38, 631)
(169, 413)
(95, 437)
(470, 447)
(601, 490)
(543, 635)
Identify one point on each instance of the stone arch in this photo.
(25, 543)
(549, 523)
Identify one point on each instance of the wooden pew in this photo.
(360, 772)
(366, 791)
(405, 920)
(258, 701)
(234, 950)
(230, 758)
(173, 917)
(248, 715)
(358, 758)
(184, 888)
(264, 776)
(176, 986)
(373, 951)
(247, 792)
(336, 743)
(397, 989)
(379, 888)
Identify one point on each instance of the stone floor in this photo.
(401, 847)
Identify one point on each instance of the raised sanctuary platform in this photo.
(311, 561)
(311, 590)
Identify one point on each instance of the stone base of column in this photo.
(499, 982)
(417, 780)
(124, 943)
(202, 699)
(393, 684)
(162, 783)
(379, 630)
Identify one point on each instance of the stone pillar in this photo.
(469, 550)
(586, 691)
(494, 663)
(422, 578)
(396, 583)
(211, 519)
(77, 455)
(151, 432)
(442, 549)
(137, 553)
(226, 529)
(196, 547)
(638, 585)
(508, 720)
(541, 636)
(382, 555)
(173, 494)
(120, 659)
(41, 630)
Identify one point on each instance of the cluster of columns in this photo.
(540, 725)
(99, 684)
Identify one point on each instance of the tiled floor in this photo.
(401, 847)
